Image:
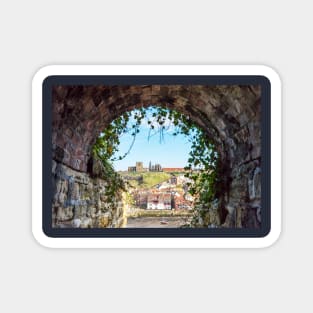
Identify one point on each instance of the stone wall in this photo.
(230, 115)
(80, 201)
(244, 200)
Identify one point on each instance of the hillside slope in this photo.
(146, 179)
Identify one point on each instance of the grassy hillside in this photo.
(149, 179)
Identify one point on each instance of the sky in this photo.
(172, 151)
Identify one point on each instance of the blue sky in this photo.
(171, 152)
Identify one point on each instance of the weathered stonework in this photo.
(80, 201)
(230, 115)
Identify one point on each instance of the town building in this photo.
(167, 199)
(159, 201)
(173, 180)
(180, 203)
(141, 199)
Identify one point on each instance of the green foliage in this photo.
(114, 181)
(202, 165)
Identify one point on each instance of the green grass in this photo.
(150, 179)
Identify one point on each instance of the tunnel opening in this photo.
(229, 115)
(179, 188)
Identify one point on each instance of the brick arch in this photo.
(230, 115)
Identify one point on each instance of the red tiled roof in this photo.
(173, 169)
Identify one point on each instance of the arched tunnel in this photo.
(229, 114)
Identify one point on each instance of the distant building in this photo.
(137, 168)
(155, 167)
(173, 169)
(131, 168)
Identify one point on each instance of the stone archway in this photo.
(230, 115)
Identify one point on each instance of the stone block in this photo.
(254, 184)
(104, 220)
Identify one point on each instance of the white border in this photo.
(156, 242)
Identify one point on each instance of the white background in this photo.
(38, 33)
